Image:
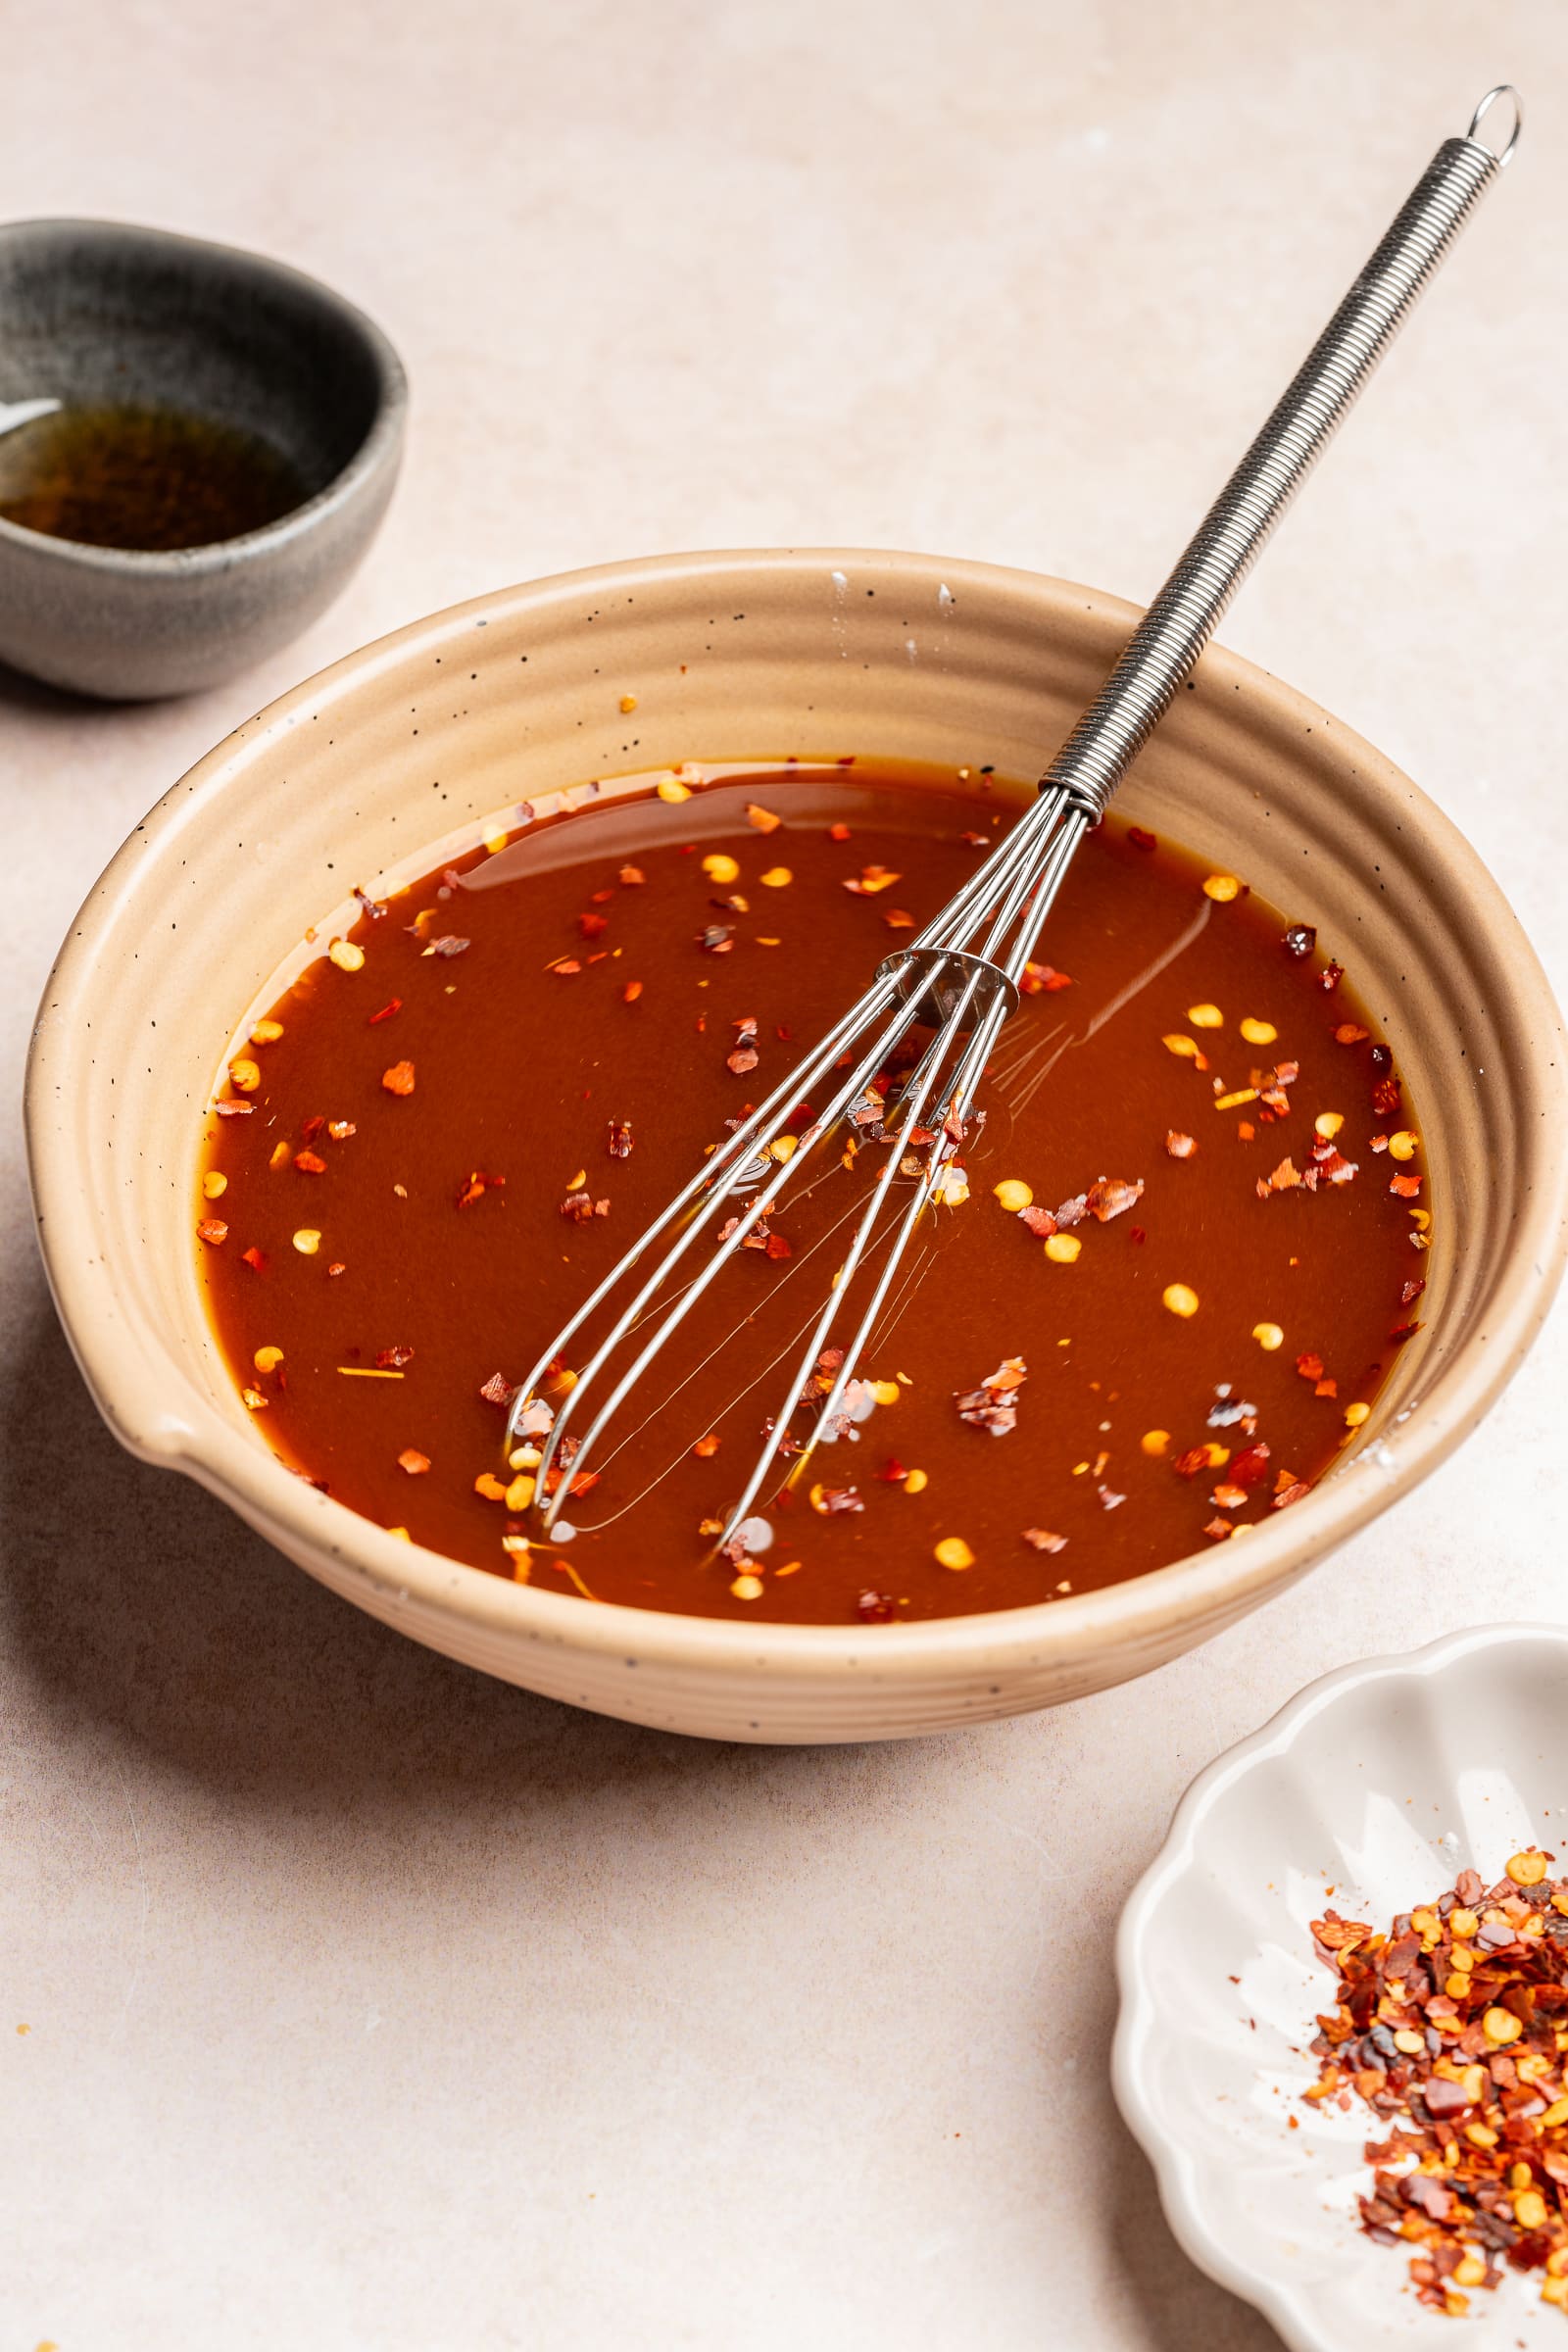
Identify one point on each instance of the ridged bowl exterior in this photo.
(735, 656)
(1383, 1780)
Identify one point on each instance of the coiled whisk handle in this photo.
(1166, 644)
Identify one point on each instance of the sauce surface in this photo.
(402, 1190)
(142, 479)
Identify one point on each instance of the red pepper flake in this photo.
(253, 1257)
(393, 1359)
(870, 880)
(762, 820)
(1300, 939)
(1387, 1096)
(1136, 1233)
(582, 1484)
(993, 1404)
(717, 939)
(899, 918)
(313, 1126)
(1142, 839)
(341, 1129)
(1040, 1538)
(619, 1140)
(477, 1186)
(1331, 976)
(1309, 1365)
(631, 992)
(212, 1229)
(1218, 1528)
(706, 1447)
(1043, 980)
(1188, 1464)
(581, 1207)
(742, 1060)
(833, 1501)
(374, 907)
(399, 1078)
(1405, 1188)
(233, 1110)
(838, 832)
(1178, 1145)
(874, 1608)
(310, 1164)
(1250, 1467)
(1402, 1331)
(1281, 1180)
(1294, 1493)
(1351, 1033)
(592, 926)
(497, 1390)
(564, 967)
(415, 1463)
(892, 1472)
(1411, 1290)
(776, 1247)
(394, 1005)
(631, 877)
(1037, 1221)
(1326, 1388)
(1451, 2013)
(449, 946)
(1109, 1196)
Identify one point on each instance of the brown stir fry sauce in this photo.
(1174, 1263)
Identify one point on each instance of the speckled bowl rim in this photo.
(1204, 1588)
(1286, 2307)
(379, 439)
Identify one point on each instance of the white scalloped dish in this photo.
(1383, 1782)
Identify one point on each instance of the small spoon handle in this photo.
(1173, 633)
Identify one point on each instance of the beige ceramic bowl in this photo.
(362, 769)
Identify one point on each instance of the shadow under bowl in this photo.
(381, 767)
(98, 314)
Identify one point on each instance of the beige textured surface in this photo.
(373, 2005)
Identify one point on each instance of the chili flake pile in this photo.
(1453, 2029)
(1174, 1255)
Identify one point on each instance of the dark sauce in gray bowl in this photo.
(153, 479)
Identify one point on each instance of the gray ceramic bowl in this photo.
(98, 313)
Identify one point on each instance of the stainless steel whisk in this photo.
(960, 977)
